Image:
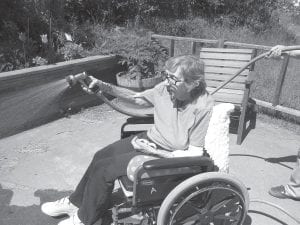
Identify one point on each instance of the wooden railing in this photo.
(272, 107)
(34, 96)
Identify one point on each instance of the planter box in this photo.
(138, 84)
(34, 96)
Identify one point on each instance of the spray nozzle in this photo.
(81, 78)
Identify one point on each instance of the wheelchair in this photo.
(178, 191)
(173, 191)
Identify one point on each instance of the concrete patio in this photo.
(46, 163)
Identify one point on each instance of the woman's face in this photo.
(178, 86)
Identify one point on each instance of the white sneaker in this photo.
(59, 207)
(72, 220)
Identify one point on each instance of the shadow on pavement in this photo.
(27, 215)
(32, 215)
(289, 158)
(278, 161)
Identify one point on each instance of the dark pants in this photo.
(93, 194)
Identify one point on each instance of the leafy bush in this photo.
(39, 61)
(71, 51)
(140, 55)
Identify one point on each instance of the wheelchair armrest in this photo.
(178, 162)
(140, 120)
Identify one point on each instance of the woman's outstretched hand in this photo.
(94, 85)
(276, 51)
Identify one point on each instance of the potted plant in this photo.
(140, 56)
(142, 59)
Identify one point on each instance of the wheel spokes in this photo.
(196, 208)
(227, 217)
(191, 220)
(222, 204)
(208, 206)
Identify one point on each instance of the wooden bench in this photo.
(220, 65)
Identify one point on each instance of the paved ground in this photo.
(45, 163)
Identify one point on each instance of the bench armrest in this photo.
(171, 163)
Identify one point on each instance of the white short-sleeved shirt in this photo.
(176, 129)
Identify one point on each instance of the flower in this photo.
(44, 38)
(68, 37)
(22, 37)
(39, 61)
(297, 3)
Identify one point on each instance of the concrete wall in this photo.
(34, 96)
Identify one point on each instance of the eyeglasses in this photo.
(171, 78)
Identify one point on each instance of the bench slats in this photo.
(231, 85)
(230, 56)
(228, 97)
(224, 77)
(224, 63)
(220, 65)
(224, 70)
(225, 90)
(228, 50)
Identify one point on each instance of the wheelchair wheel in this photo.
(211, 198)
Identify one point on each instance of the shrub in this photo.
(140, 55)
(71, 51)
(39, 61)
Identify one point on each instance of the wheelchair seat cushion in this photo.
(135, 163)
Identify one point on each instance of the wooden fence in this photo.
(273, 107)
(34, 96)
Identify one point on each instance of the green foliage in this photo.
(140, 55)
(39, 61)
(71, 51)
(81, 19)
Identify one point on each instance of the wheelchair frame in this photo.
(178, 191)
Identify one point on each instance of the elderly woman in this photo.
(182, 110)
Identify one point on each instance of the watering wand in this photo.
(83, 79)
(285, 50)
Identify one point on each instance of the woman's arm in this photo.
(150, 148)
(295, 53)
(276, 52)
(190, 152)
(120, 92)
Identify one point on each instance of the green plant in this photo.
(71, 51)
(140, 55)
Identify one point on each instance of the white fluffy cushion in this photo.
(217, 136)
